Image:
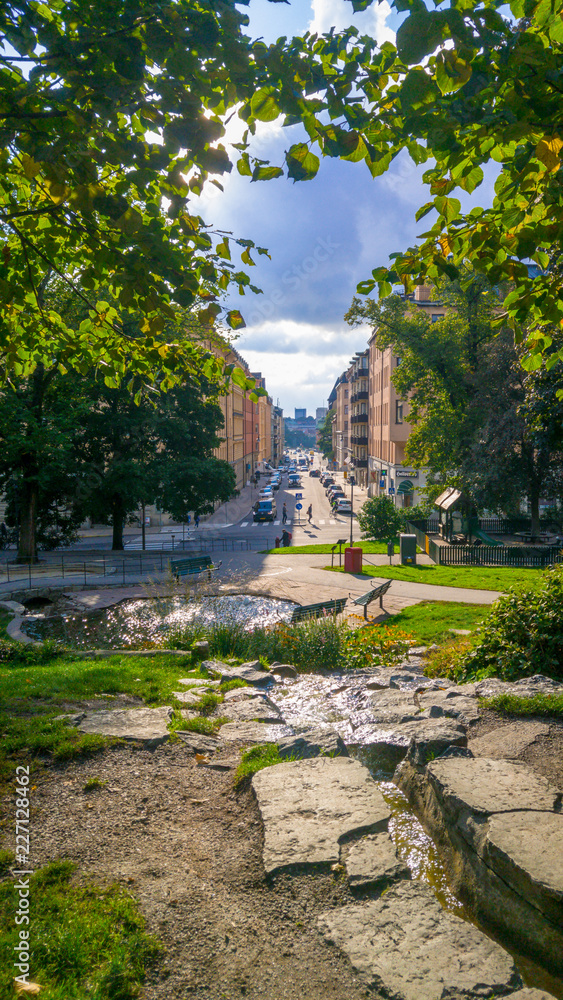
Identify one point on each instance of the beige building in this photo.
(340, 427)
(388, 418)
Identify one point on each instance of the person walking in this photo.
(196, 520)
(310, 512)
(284, 515)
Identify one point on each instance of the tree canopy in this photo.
(113, 113)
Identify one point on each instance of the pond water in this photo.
(136, 623)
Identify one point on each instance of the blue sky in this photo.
(323, 235)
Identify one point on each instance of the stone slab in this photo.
(407, 947)
(309, 807)
(256, 709)
(250, 732)
(482, 785)
(189, 697)
(251, 672)
(434, 735)
(286, 671)
(313, 743)
(531, 994)
(198, 743)
(373, 861)
(146, 724)
(526, 687)
(526, 850)
(199, 683)
(508, 741)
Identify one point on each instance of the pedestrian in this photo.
(196, 520)
(284, 515)
(278, 543)
(189, 520)
(286, 538)
(310, 512)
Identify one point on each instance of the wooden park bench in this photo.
(335, 607)
(372, 595)
(192, 565)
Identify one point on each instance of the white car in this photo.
(343, 507)
(267, 493)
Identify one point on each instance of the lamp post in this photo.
(352, 481)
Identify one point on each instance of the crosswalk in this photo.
(256, 524)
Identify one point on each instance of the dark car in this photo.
(265, 510)
(315, 473)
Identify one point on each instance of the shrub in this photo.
(380, 519)
(375, 646)
(20, 653)
(523, 634)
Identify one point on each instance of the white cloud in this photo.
(339, 14)
(300, 361)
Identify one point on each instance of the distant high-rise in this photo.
(320, 413)
(300, 414)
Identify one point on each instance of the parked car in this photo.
(343, 507)
(315, 473)
(293, 480)
(265, 510)
(266, 493)
(337, 495)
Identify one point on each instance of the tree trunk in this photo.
(117, 521)
(535, 509)
(27, 548)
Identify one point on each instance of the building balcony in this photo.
(360, 463)
(356, 396)
(359, 439)
(359, 418)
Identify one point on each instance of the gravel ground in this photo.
(189, 848)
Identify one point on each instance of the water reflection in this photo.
(136, 623)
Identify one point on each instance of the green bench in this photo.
(192, 565)
(372, 595)
(335, 607)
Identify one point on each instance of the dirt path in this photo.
(189, 848)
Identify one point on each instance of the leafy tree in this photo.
(112, 114)
(37, 460)
(324, 436)
(158, 450)
(380, 519)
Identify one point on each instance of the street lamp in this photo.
(351, 479)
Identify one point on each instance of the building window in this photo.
(398, 412)
(345, 409)
(436, 317)
(345, 394)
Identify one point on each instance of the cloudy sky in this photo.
(323, 235)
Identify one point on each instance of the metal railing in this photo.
(120, 566)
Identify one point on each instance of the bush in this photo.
(380, 519)
(375, 646)
(20, 653)
(523, 634)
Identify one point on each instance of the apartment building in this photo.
(371, 428)
(278, 437)
(340, 427)
(388, 418)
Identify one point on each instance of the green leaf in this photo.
(235, 321)
(302, 165)
(449, 208)
(418, 36)
(266, 173)
(223, 250)
(264, 105)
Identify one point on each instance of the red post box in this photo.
(353, 560)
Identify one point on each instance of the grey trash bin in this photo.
(407, 548)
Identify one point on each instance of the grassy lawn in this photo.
(431, 621)
(32, 695)
(512, 704)
(87, 940)
(473, 577)
(377, 548)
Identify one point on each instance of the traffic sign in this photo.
(298, 496)
(298, 506)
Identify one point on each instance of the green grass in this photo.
(32, 695)
(258, 757)
(200, 724)
(512, 704)
(499, 578)
(430, 621)
(377, 548)
(94, 785)
(87, 940)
